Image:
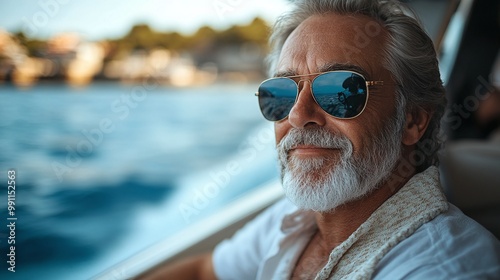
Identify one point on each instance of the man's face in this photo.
(356, 147)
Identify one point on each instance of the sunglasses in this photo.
(341, 94)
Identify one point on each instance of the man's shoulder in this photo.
(452, 228)
(452, 244)
(243, 253)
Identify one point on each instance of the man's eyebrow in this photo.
(326, 68)
(286, 73)
(343, 66)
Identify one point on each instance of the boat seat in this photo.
(471, 180)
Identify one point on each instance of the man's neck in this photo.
(336, 226)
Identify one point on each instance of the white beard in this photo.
(322, 184)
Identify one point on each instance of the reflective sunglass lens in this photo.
(341, 94)
(277, 97)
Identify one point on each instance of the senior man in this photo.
(357, 100)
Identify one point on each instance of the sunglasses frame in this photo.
(368, 85)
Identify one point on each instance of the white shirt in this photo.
(451, 246)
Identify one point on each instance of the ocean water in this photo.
(106, 170)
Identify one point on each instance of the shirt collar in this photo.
(298, 221)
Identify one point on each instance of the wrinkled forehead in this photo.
(327, 39)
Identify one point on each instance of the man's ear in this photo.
(415, 125)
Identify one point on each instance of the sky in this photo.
(98, 19)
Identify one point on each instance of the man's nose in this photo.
(306, 111)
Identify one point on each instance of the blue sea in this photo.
(104, 171)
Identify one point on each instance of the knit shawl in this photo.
(417, 202)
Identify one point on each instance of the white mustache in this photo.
(318, 137)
